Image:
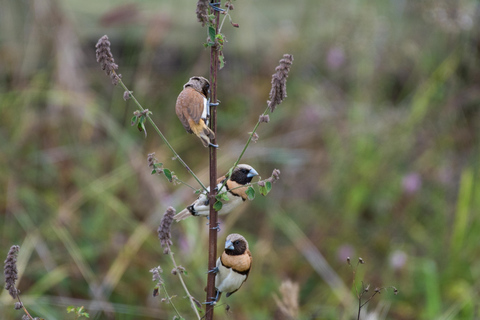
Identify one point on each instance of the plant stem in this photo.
(163, 137)
(170, 300)
(23, 307)
(184, 285)
(212, 235)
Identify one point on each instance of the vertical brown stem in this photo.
(212, 236)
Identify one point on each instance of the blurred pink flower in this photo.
(412, 182)
(345, 251)
(335, 58)
(398, 259)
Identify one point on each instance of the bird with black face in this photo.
(236, 190)
(193, 109)
(232, 266)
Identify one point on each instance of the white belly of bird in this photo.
(228, 206)
(228, 280)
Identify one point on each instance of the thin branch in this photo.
(184, 285)
(170, 300)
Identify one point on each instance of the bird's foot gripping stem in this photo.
(214, 270)
(214, 6)
(214, 299)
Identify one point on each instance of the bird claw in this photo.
(214, 104)
(211, 303)
(214, 6)
(213, 145)
(217, 227)
(214, 270)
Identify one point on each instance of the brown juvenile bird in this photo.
(235, 187)
(193, 109)
(233, 266)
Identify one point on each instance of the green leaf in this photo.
(266, 189)
(154, 171)
(221, 59)
(168, 174)
(185, 272)
(222, 196)
(268, 185)
(220, 38)
(211, 33)
(134, 120)
(70, 309)
(217, 205)
(250, 193)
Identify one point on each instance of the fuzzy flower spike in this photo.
(105, 58)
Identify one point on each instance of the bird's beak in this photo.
(252, 173)
(229, 245)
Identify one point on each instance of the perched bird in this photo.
(193, 109)
(233, 265)
(235, 186)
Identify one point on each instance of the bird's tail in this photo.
(205, 135)
(182, 215)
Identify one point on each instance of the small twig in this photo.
(183, 284)
(23, 307)
(170, 300)
(225, 17)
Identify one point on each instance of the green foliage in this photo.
(217, 206)
(168, 174)
(264, 190)
(78, 311)
(250, 193)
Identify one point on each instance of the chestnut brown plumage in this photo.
(192, 109)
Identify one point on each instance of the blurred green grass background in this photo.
(377, 143)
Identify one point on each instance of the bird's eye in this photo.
(236, 242)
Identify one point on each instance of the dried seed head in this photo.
(151, 159)
(348, 260)
(229, 5)
(177, 270)
(279, 82)
(156, 274)
(275, 176)
(288, 300)
(197, 303)
(126, 95)
(202, 11)
(264, 118)
(360, 260)
(10, 271)
(255, 137)
(18, 305)
(395, 291)
(164, 229)
(105, 58)
(261, 183)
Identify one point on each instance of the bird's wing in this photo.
(192, 104)
(181, 109)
